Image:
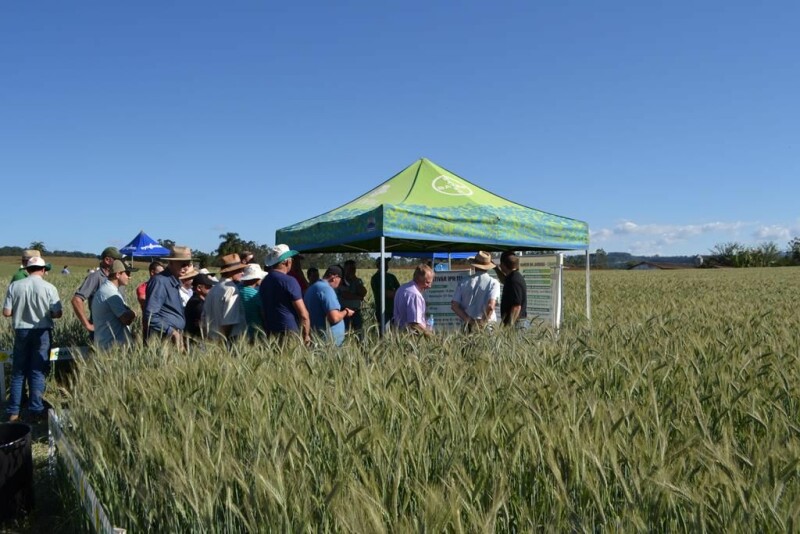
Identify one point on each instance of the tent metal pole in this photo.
(383, 286)
(559, 311)
(588, 290)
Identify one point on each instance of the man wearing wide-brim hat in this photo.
(223, 313)
(90, 285)
(163, 308)
(475, 298)
(187, 284)
(281, 297)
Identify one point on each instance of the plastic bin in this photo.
(16, 469)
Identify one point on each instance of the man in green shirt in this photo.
(22, 272)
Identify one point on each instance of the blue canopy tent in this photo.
(144, 246)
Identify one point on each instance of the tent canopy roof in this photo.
(144, 245)
(426, 208)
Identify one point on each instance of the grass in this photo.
(675, 410)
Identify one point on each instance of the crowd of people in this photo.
(187, 307)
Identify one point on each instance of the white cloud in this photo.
(773, 232)
(647, 239)
(669, 232)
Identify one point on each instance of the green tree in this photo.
(166, 243)
(38, 245)
(203, 259)
(765, 254)
(794, 250)
(599, 259)
(231, 244)
(729, 254)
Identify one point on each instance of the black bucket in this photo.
(16, 469)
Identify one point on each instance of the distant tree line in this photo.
(38, 245)
(768, 254)
(730, 254)
(600, 259)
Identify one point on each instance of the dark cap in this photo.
(120, 267)
(203, 279)
(333, 270)
(111, 252)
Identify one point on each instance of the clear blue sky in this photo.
(667, 126)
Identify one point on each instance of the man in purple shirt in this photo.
(409, 304)
(281, 297)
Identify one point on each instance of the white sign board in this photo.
(543, 281)
(439, 297)
(542, 276)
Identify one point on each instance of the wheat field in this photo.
(676, 409)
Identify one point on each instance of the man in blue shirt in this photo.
(281, 297)
(163, 308)
(323, 305)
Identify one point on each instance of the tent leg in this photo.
(588, 291)
(383, 287)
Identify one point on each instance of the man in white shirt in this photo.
(32, 303)
(475, 298)
(223, 312)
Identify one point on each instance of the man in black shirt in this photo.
(514, 300)
(201, 285)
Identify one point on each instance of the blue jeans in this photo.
(31, 361)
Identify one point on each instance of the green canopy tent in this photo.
(426, 208)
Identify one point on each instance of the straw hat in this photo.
(482, 261)
(191, 273)
(230, 263)
(179, 253)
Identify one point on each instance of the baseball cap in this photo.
(203, 279)
(111, 252)
(333, 270)
(121, 267)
